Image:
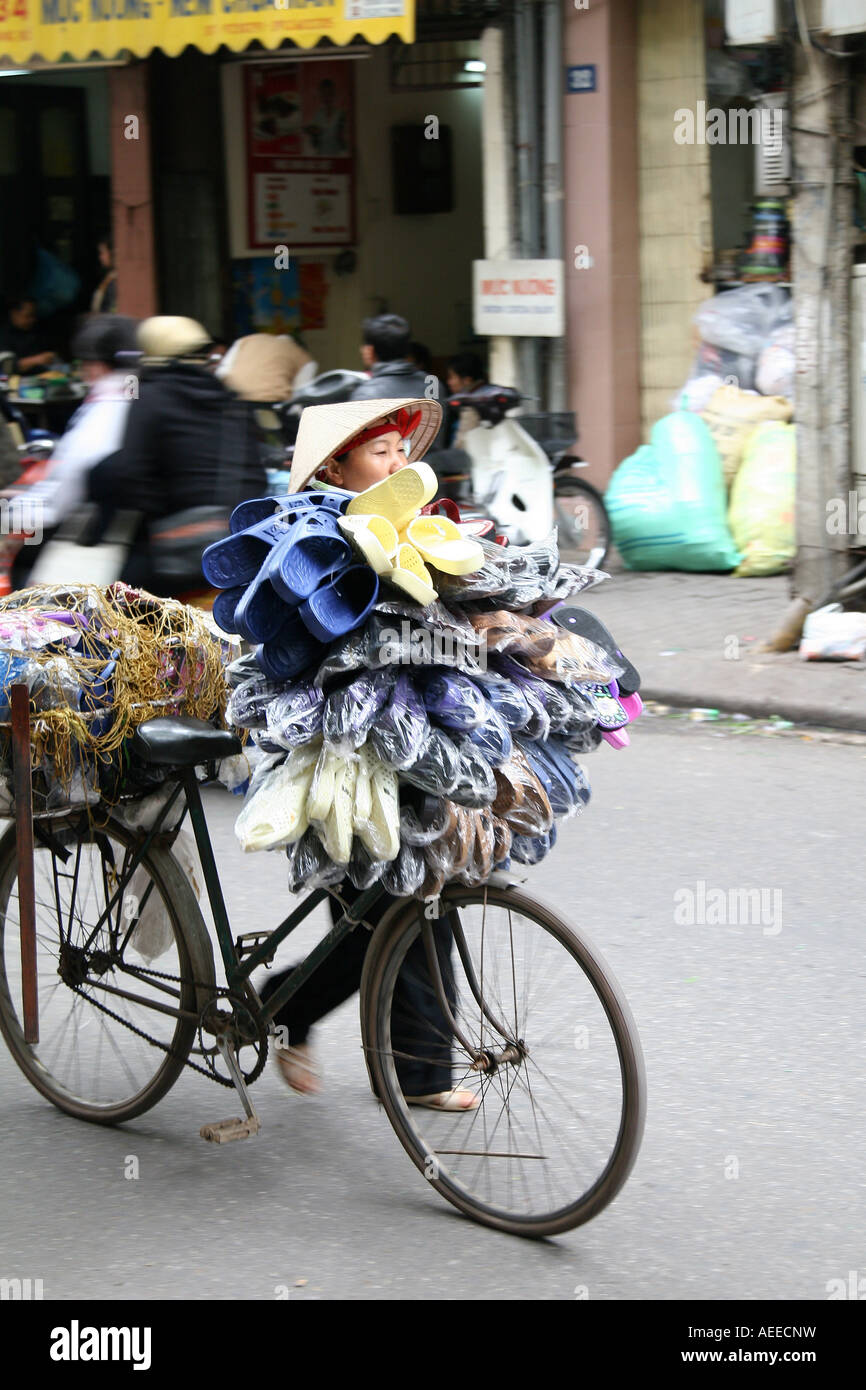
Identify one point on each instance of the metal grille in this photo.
(421, 67)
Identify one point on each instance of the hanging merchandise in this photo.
(97, 663)
(425, 717)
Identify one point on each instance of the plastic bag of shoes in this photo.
(363, 871)
(248, 703)
(476, 784)
(405, 874)
(454, 701)
(492, 738)
(296, 716)
(437, 767)
(402, 727)
(350, 712)
(425, 818)
(529, 849)
(507, 699)
(309, 865)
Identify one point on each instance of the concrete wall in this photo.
(675, 215)
(419, 266)
(603, 299)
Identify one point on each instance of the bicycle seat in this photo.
(180, 741)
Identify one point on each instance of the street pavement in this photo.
(750, 1182)
(696, 640)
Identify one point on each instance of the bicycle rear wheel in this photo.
(562, 1098)
(115, 1025)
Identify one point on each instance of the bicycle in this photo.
(115, 1032)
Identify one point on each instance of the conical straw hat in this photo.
(324, 430)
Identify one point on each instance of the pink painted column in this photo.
(131, 194)
(601, 214)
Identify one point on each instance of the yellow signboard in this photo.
(81, 29)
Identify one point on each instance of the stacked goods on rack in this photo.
(417, 713)
(97, 663)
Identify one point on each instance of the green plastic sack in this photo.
(763, 498)
(667, 501)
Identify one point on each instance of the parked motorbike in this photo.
(522, 472)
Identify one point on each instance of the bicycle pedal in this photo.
(249, 941)
(225, 1131)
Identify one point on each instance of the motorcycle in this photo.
(521, 471)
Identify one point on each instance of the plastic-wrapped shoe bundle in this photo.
(310, 867)
(492, 738)
(552, 697)
(437, 767)
(295, 717)
(248, 703)
(531, 849)
(566, 787)
(476, 785)
(455, 701)
(402, 728)
(350, 712)
(506, 698)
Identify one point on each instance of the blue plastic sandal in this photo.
(238, 559)
(339, 607)
(224, 606)
(313, 551)
(258, 509)
(261, 611)
(292, 651)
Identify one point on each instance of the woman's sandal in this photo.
(298, 1065)
(458, 1099)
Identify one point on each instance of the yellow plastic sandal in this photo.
(441, 544)
(409, 573)
(398, 497)
(374, 537)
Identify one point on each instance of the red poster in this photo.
(300, 155)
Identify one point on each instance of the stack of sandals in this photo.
(374, 768)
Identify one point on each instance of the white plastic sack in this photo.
(830, 634)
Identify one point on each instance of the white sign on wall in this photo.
(517, 299)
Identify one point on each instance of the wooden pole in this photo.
(23, 788)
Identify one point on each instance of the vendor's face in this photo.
(369, 463)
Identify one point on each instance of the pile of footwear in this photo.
(424, 730)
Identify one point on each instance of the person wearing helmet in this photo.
(186, 443)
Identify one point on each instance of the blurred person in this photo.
(10, 466)
(421, 355)
(187, 441)
(21, 334)
(465, 371)
(263, 367)
(385, 355)
(104, 299)
(107, 349)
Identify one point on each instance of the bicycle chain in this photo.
(220, 991)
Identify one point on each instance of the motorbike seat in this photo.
(491, 402)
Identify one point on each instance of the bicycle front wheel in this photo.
(583, 525)
(545, 1040)
(117, 984)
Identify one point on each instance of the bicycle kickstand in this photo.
(224, 1131)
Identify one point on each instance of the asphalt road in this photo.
(750, 1183)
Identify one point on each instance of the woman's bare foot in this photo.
(299, 1068)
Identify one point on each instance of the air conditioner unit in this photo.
(773, 154)
(751, 21)
(845, 16)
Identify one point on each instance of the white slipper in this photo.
(276, 814)
(321, 795)
(336, 834)
(374, 537)
(399, 496)
(363, 807)
(381, 834)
